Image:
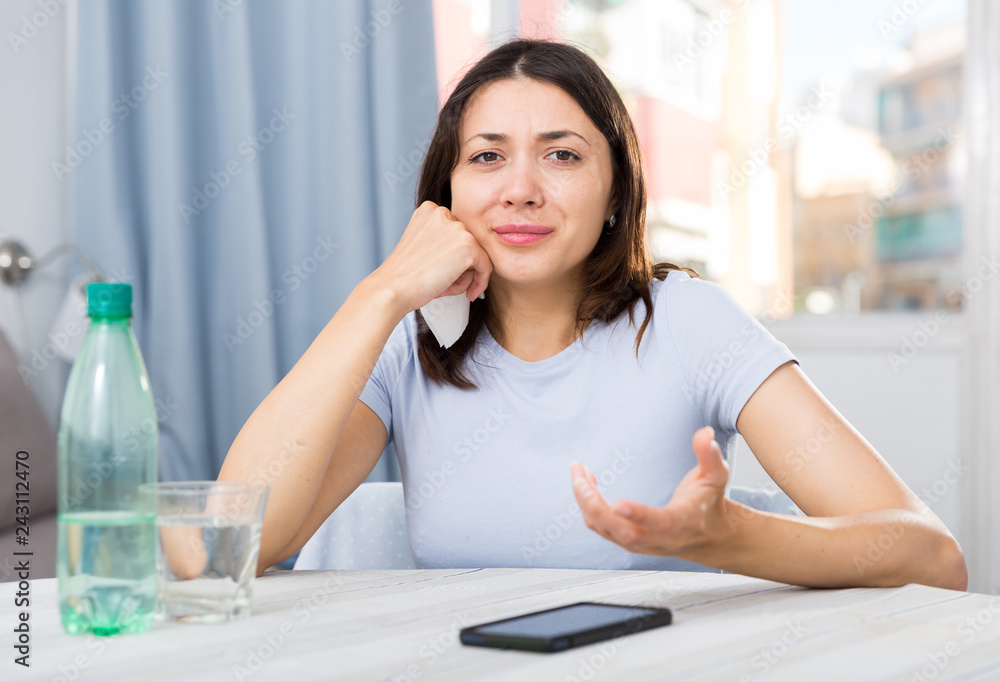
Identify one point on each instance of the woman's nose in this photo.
(522, 185)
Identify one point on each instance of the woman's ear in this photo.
(613, 207)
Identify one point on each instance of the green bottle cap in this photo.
(109, 299)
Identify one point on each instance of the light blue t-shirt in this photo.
(486, 473)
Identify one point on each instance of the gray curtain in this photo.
(243, 164)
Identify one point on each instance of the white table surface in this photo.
(402, 626)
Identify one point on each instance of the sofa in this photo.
(24, 429)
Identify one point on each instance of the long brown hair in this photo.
(618, 271)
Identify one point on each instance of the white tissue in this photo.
(447, 317)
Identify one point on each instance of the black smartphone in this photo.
(565, 627)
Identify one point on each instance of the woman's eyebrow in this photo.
(558, 135)
(548, 136)
(489, 137)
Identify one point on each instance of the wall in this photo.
(33, 78)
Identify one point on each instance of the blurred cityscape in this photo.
(834, 196)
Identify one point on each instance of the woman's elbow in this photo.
(950, 571)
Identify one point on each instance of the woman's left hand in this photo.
(694, 518)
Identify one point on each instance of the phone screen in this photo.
(566, 627)
(565, 621)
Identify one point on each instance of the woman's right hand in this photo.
(436, 256)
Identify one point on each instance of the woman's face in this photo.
(533, 182)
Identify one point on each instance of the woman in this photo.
(532, 193)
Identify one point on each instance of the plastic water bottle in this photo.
(108, 447)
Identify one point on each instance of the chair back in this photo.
(367, 531)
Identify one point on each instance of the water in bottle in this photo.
(107, 447)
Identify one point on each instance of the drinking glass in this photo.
(208, 541)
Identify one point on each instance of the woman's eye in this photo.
(564, 155)
(486, 157)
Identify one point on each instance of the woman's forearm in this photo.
(882, 548)
(288, 440)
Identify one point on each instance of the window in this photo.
(808, 150)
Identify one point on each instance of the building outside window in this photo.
(806, 155)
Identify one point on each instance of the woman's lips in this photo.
(521, 237)
(522, 234)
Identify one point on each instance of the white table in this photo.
(402, 626)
